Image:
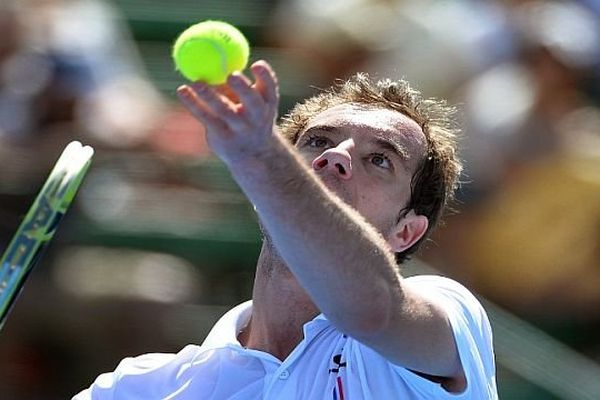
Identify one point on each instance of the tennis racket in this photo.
(40, 223)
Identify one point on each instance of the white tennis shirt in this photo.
(326, 364)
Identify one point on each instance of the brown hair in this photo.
(436, 177)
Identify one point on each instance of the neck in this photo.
(280, 308)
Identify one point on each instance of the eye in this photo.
(381, 161)
(318, 141)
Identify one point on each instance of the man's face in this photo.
(367, 156)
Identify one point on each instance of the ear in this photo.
(408, 231)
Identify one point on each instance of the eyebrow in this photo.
(392, 146)
(320, 128)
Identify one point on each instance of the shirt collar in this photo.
(224, 332)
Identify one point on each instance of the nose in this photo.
(336, 160)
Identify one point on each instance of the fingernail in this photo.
(184, 90)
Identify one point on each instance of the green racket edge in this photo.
(41, 221)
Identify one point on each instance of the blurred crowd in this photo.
(525, 75)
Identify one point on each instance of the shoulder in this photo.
(144, 376)
(472, 335)
(470, 325)
(438, 282)
(462, 308)
(442, 288)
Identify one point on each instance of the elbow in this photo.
(369, 318)
(372, 324)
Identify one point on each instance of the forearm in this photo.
(340, 260)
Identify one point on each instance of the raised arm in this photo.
(341, 260)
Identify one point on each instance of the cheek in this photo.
(309, 156)
(388, 195)
(380, 208)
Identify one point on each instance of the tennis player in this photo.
(346, 188)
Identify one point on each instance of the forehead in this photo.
(383, 122)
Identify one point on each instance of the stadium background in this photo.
(161, 242)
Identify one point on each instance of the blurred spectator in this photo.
(71, 63)
(68, 70)
(435, 44)
(118, 106)
(528, 232)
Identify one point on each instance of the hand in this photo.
(241, 124)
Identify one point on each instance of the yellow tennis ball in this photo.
(209, 51)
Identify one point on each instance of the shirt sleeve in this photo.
(134, 378)
(472, 333)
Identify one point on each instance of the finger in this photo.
(219, 105)
(194, 105)
(224, 90)
(252, 102)
(266, 82)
